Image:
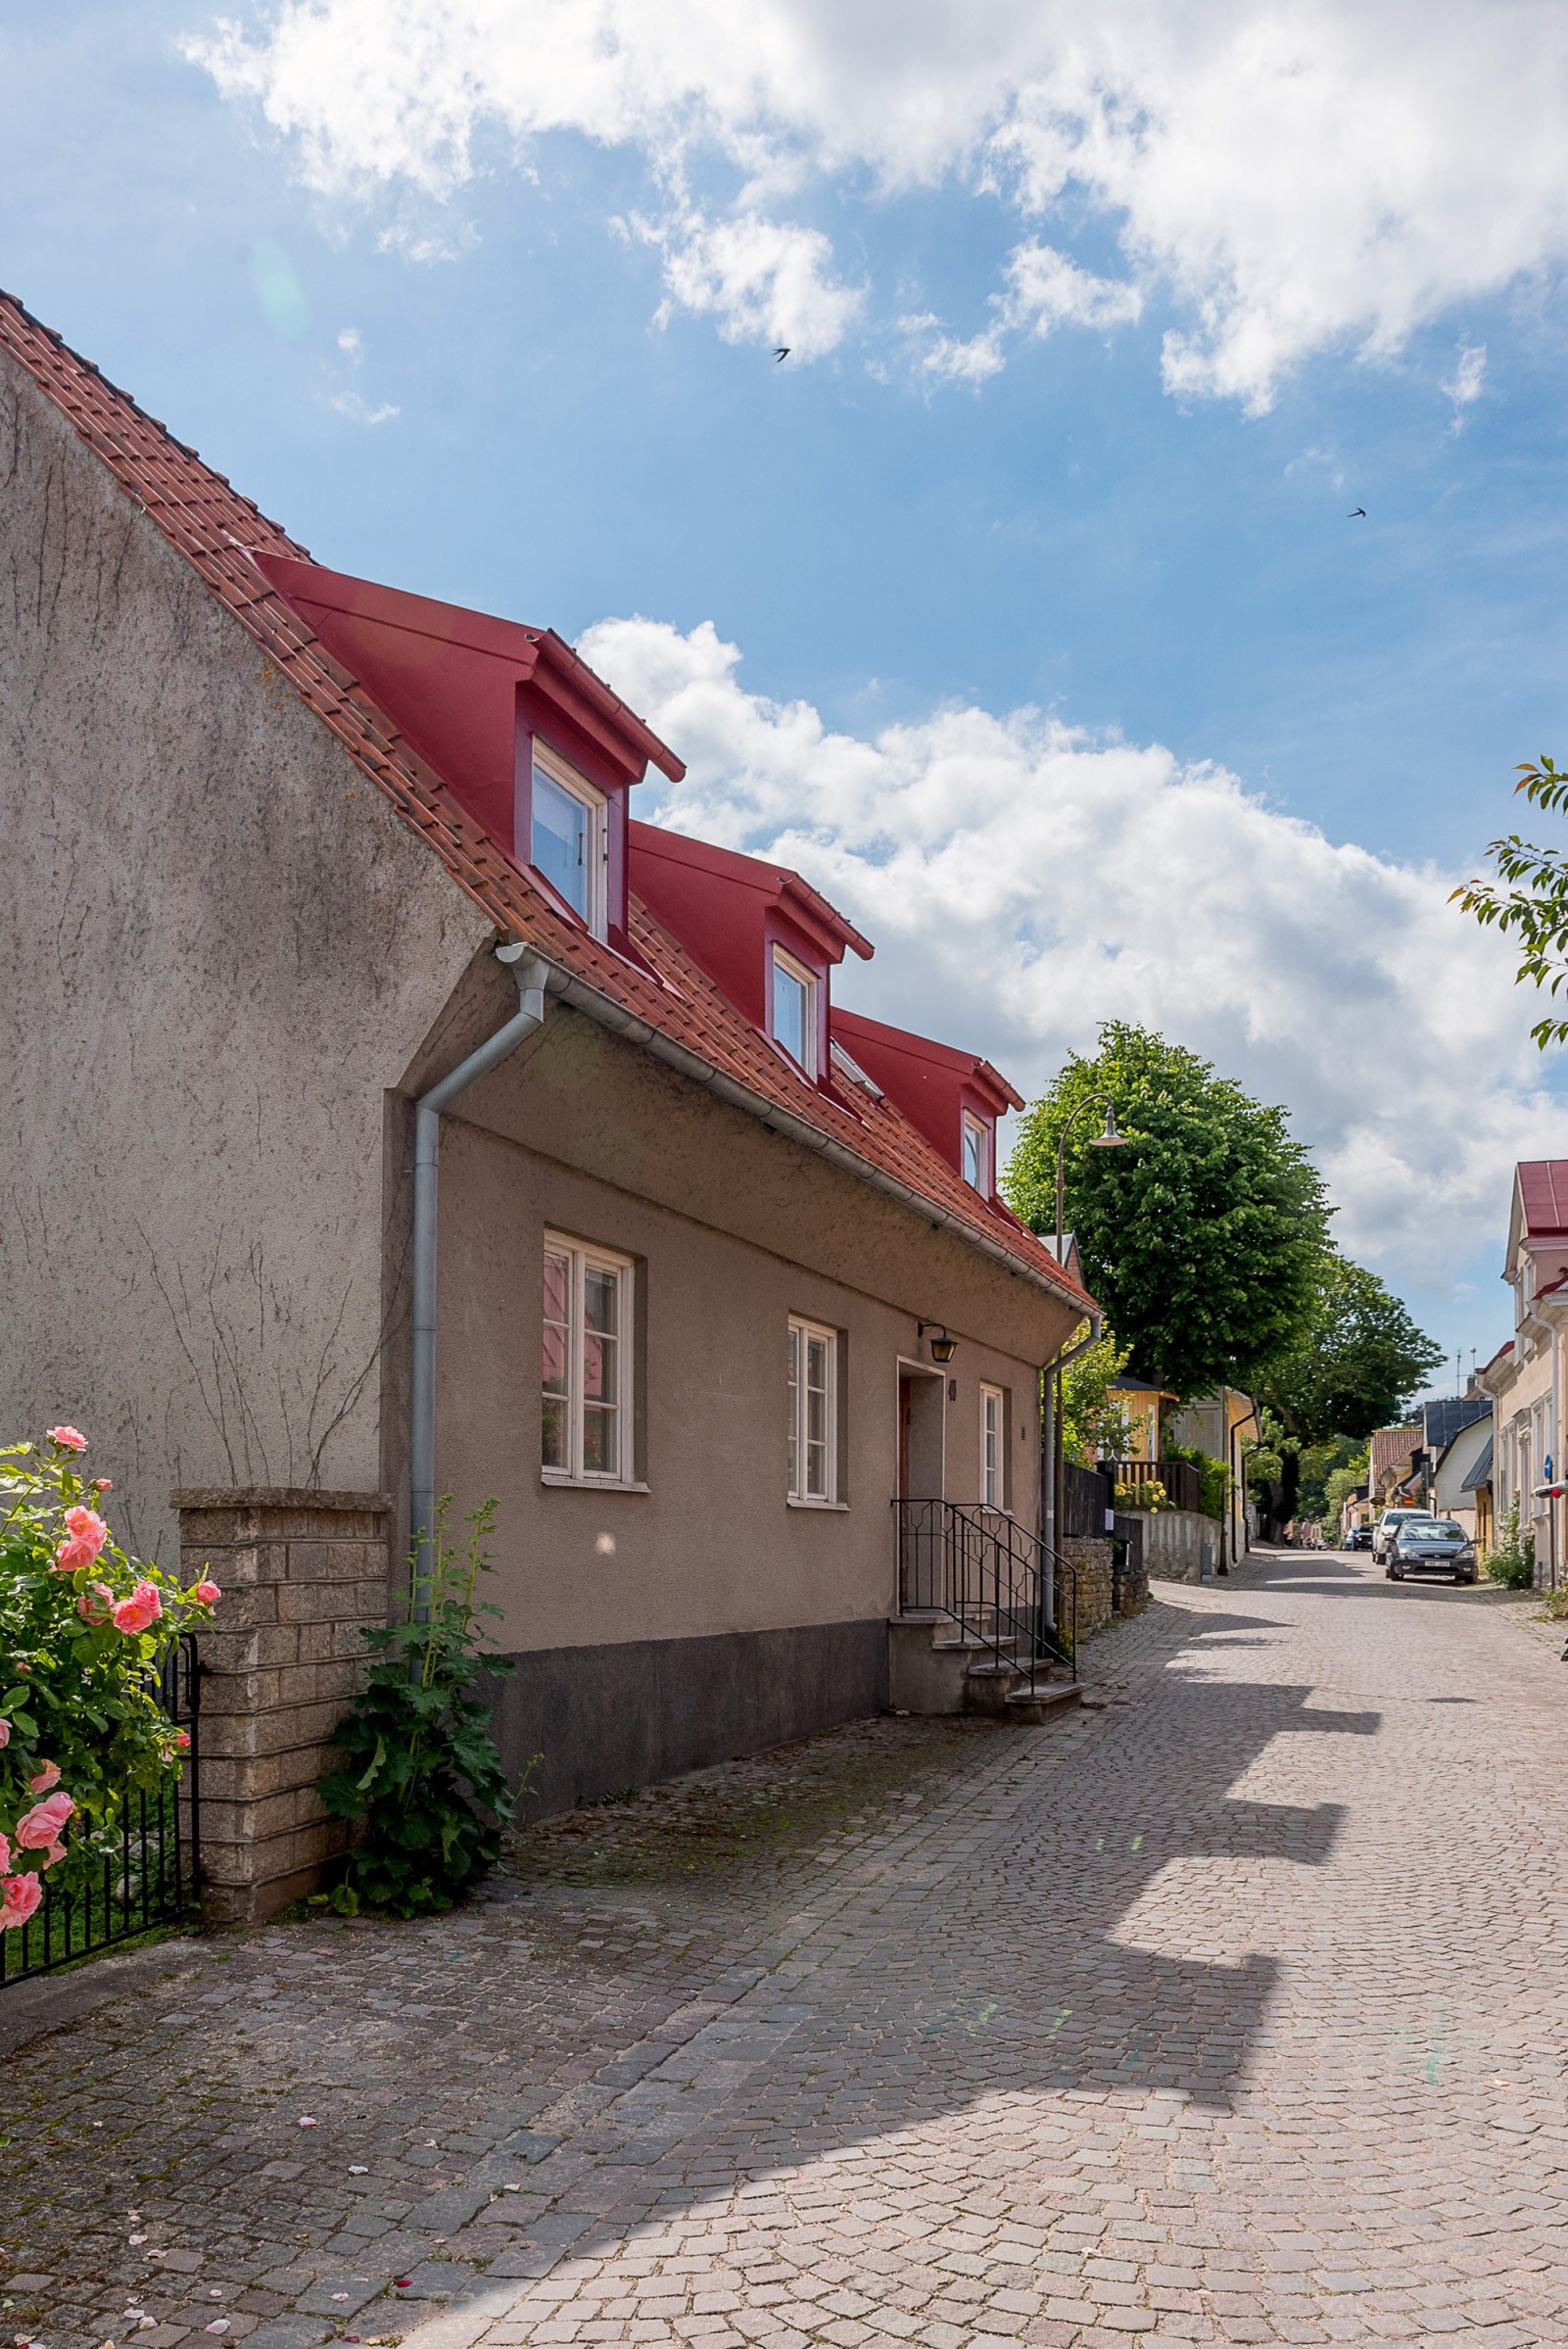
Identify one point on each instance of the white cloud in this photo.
(1043, 290)
(765, 280)
(1327, 174)
(1466, 385)
(358, 411)
(1023, 883)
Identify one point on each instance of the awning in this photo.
(1481, 1474)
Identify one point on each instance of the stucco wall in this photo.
(225, 965)
(1174, 1543)
(722, 1220)
(219, 947)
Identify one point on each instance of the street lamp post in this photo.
(1110, 1139)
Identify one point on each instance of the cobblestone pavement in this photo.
(1232, 2009)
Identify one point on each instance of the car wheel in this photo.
(1387, 1574)
(1395, 1573)
(1470, 1577)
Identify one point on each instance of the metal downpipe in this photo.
(530, 1016)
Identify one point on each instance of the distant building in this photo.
(1526, 1379)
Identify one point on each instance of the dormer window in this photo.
(977, 1153)
(569, 843)
(793, 1009)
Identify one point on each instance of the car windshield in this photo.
(1439, 1529)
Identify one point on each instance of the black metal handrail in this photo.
(1003, 1586)
(151, 1877)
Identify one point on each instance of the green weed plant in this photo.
(423, 1773)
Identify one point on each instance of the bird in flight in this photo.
(1360, 515)
(784, 352)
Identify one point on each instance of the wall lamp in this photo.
(943, 1348)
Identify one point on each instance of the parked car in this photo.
(1388, 1525)
(1360, 1537)
(1431, 1545)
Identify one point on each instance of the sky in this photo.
(1023, 605)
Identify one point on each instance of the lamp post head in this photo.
(1110, 1139)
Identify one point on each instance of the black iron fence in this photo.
(1182, 1483)
(994, 1579)
(149, 1878)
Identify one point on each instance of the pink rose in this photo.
(87, 1525)
(53, 1857)
(5, 1734)
(73, 1554)
(142, 1607)
(69, 1439)
(20, 1895)
(208, 1591)
(5, 1853)
(96, 1604)
(48, 1776)
(101, 1484)
(44, 1824)
(182, 1742)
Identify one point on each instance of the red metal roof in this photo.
(1544, 1195)
(223, 535)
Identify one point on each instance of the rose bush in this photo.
(82, 1630)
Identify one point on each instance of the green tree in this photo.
(1091, 1414)
(1533, 906)
(1340, 1483)
(1202, 1238)
(1358, 1360)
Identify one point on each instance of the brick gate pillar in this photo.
(301, 1572)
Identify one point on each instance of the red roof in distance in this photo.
(1544, 1195)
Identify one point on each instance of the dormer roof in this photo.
(458, 680)
(725, 908)
(659, 992)
(932, 1083)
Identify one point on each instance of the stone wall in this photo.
(1090, 1559)
(301, 1574)
(1181, 1546)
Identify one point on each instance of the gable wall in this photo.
(219, 947)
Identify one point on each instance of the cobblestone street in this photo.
(1233, 2009)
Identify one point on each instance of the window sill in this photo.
(818, 1507)
(590, 1484)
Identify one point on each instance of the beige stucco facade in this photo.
(1526, 1386)
(226, 969)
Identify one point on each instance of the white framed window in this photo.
(813, 1412)
(793, 1010)
(993, 1465)
(570, 843)
(587, 1400)
(977, 1153)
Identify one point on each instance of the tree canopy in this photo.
(1533, 906)
(1203, 1237)
(1360, 1360)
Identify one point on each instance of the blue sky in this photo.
(470, 317)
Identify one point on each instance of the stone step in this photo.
(1042, 1702)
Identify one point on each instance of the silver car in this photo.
(1431, 1545)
